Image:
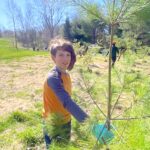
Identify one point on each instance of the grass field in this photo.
(8, 52)
(22, 76)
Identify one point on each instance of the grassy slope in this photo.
(25, 128)
(8, 52)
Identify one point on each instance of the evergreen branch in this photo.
(86, 9)
(139, 8)
(117, 100)
(119, 94)
(132, 118)
(121, 10)
(121, 134)
(92, 97)
(124, 111)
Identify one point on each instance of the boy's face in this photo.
(62, 59)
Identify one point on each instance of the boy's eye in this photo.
(68, 54)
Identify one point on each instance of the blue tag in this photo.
(103, 135)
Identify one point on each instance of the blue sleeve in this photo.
(54, 82)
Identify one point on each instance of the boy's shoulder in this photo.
(54, 73)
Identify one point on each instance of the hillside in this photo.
(21, 98)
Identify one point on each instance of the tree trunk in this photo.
(109, 82)
(15, 32)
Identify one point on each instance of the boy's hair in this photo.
(65, 45)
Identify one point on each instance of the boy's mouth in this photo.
(65, 64)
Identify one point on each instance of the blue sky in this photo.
(4, 20)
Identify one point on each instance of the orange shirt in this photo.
(52, 103)
(57, 99)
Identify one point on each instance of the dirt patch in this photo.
(22, 82)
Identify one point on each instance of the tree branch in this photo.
(92, 97)
(121, 10)
(132, 118)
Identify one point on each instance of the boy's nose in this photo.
(66, 58)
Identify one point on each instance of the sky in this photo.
(4, 19)
(5, 22)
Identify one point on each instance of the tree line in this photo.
(84, 21)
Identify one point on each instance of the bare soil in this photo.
(21, 83)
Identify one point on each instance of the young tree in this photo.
(115, 12)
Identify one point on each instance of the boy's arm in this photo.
(54, 82)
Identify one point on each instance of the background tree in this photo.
(67, 30)
(78, 30)
(51, 13)
(12, 10)
(0, 33)
(28, 28)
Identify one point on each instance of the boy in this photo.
(57, 92)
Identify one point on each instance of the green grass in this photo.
(12, 119)
(8, 52)
(134, 135)
(22, 94)
(26, 127)
(5, 42)
(31, 136)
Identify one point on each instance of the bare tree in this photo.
(0, 33)
(28, 26)
(51, 14)
(12, 10)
